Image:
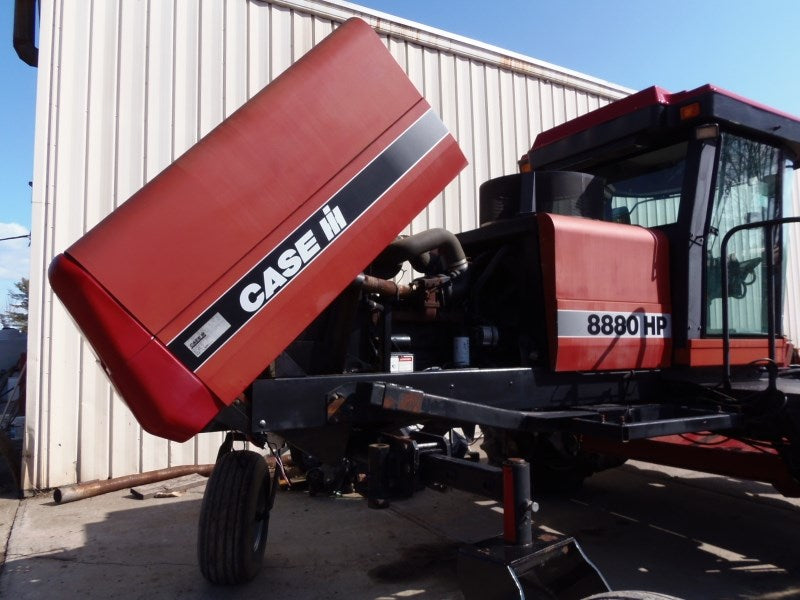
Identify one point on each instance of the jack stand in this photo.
(378, 492)
(513, 566)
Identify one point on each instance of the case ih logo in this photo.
(304, 246)
(286, 262)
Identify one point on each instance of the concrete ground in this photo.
(687, 534)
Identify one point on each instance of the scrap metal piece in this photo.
(493, 570)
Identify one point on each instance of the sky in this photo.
(745, 46)
(17, 98)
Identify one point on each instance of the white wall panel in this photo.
(66, 351)
(35, 443)
(521, 117)
(476, 149)
(534, 106)
(546, 108)
(450, 217)
(125, 87)
(302, 34)
(468, 194)
(494, 122)
(94, 435)
(791, 310)
(210, 52)
(508, 143)
(280, 40)
(258, 47)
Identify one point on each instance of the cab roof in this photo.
(656, 111)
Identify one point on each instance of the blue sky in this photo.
(17, 97)
(747, 47)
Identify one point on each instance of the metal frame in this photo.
(772, 301)
(504, 398)
(292, 403)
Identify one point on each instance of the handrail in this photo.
(768, 226)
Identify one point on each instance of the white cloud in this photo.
(14, 258)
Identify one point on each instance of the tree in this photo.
(16, 312)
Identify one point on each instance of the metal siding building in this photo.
(126, 87)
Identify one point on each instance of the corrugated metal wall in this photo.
(127, 86)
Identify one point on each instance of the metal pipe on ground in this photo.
(96, 487)
(79, 491)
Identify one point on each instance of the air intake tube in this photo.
(416, 249)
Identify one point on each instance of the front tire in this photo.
(234, 519)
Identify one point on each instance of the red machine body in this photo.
(195, 284)
(574, 330)
(607, 295)
(603, 133)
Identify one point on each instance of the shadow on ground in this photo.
(699, 537)
(125, 548)
(690, 535)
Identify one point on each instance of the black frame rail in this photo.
(613, 421)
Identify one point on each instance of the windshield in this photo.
(646, 189)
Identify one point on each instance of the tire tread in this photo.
(224, 554)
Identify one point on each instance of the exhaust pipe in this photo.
(416, 250)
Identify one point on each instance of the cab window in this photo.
(745, 191)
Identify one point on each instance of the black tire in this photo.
(631, 595)
(234, 519)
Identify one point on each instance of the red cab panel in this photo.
(219, 262)
(607, 296)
